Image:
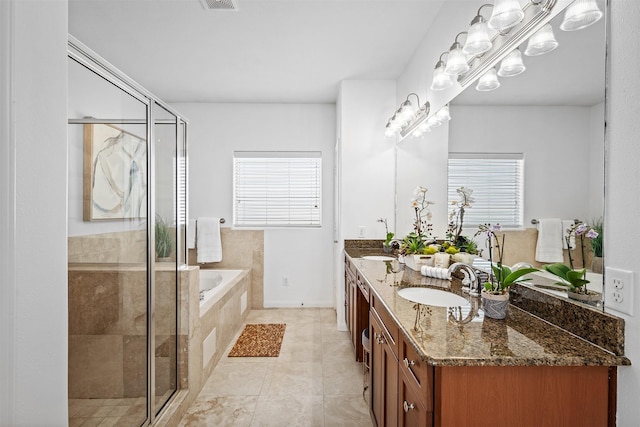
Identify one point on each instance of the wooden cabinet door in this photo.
(384, 378)
(412, 411)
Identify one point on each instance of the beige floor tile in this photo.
(236, 379)
(346, 411)
(109, 422)
(86, 411)
(342, 378)
(294, 410)
(76, 422)
(236, 411)
(92, 422)
(293, 350)
(294, 378)
(335, 351)
(118, 411)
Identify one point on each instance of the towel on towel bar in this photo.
(191, 234)
(208, 240)
(550, 237)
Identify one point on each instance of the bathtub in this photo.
(214, 284)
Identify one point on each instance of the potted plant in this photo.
(415, 243)
(595, 235)
(574, 280)
(387, 245)
(495, 294)
(164, 239)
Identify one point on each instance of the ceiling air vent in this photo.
(219, 4)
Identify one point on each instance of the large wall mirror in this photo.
(552, 114)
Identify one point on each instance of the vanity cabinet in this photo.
(384, 373)
(357, 305)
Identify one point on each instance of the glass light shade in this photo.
(489, 81)
(443, 114)
(441, 80)
(512, 64)
(433, 121)
(543, 41)
(478, 41)
(407, 111)
(389, 130)
(456, 61)
(580, 14)
(506, 14)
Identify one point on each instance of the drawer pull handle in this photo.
(379, 338)
(408, 406)
(408, 362)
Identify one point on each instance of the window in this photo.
(497, 184)
(279, 189)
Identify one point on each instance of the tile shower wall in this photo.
(241, 249)
(107, 330)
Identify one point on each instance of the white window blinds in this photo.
(277, 189)
(497, 184)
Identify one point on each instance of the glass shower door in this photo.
(167, 254)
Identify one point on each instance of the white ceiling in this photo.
(290, 51)
(298, 51)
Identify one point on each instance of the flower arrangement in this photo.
(415, 242)
(501, 277)
(582, 230)
(456, 217)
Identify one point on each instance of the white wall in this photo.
(557, 164)
(34, 216)
(622, 203)
(596, 162)
(304, 256)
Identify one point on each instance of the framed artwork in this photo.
(115, 174)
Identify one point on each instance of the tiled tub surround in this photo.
(520, 340)
(242, 249)
(107, 315)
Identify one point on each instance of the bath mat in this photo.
(261, 340)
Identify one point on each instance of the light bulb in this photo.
(580, 14)
(543, 41)
(443, 114)
(512, 64)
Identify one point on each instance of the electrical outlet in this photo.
(285, 281)
(362, 231)
(619, 290)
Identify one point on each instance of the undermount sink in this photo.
(433, 297)
(378, 258)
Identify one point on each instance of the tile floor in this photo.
(315, 380)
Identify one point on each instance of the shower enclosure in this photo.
(126, 244)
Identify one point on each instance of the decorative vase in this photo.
(415, 261)
(597, 264)
(495, 306)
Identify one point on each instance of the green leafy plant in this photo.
(412, 244)
(596, 240)
(389, 235)
(502, 277)
(574, 279)
(164, 238)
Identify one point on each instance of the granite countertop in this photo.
(447, 337)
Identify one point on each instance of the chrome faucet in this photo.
(471, 281)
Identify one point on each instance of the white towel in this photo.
(550, 236)
(191, 234)
(566, 224)
(208, 240)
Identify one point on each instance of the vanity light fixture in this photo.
(506, 14)
(478, 41)
(512, 64)
(488, 81)
(441, 79)
(457, 59)
(543, 41)
(443, 114)
(580, 14)
(406, 116)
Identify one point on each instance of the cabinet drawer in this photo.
(416, 370)
(389, 325)
(349, 266)
(363, 286)
(411, 408)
